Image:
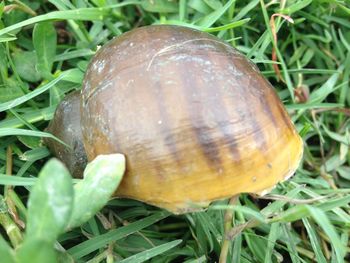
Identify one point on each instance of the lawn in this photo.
(301, 46)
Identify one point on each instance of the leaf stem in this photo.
(12, 230)
(228, 224)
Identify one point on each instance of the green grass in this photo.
(305, 219)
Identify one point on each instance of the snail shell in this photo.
(196, 120)
(66, 126)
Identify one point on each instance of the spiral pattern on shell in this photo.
(196, 120)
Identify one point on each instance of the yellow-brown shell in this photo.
(196, 120)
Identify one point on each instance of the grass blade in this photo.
(23, 132)
(83, 14)
(16, 181)
(33, 94)
(150, 253)
(316, 246)
(322, 220)
(95, 243)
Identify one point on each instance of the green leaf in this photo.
(246, 9)
(344, 172)
(77, 14)
(271, 242)
(101, 178)
(203, 226)
(2, 5)
(9, 93)
(299, 211)
(21, 181)
(7, 39)
(74, 54)
(345, 139)
(257, 246)
(3, 59)
(13, 103)
(97, 242)
(182, 10)
(291, 242)
(296, 7)
(24, 132)
(11, 89)
(312, 105)
(159, 6)
(7, 254)
(314, 241)
(199, 6)
(328, 87)
(333, 163)
(62, 4)
(16, 181)
(322, 220)
(64, 257)
(210, 19)
(30, 142)
(228, 26)
(45, 42)
(31, 116)
(249, 212)
(75, 76)
(213, 4)
(50, 203)
(237, 248)
(25, 63)
(38, 153)
(150, 253)
(36, 251)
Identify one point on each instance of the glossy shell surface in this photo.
(196, 120)
(66, 126)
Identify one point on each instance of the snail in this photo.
(66, 125)
(195, 119)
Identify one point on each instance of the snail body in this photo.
(66, 126)
(195, 119)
